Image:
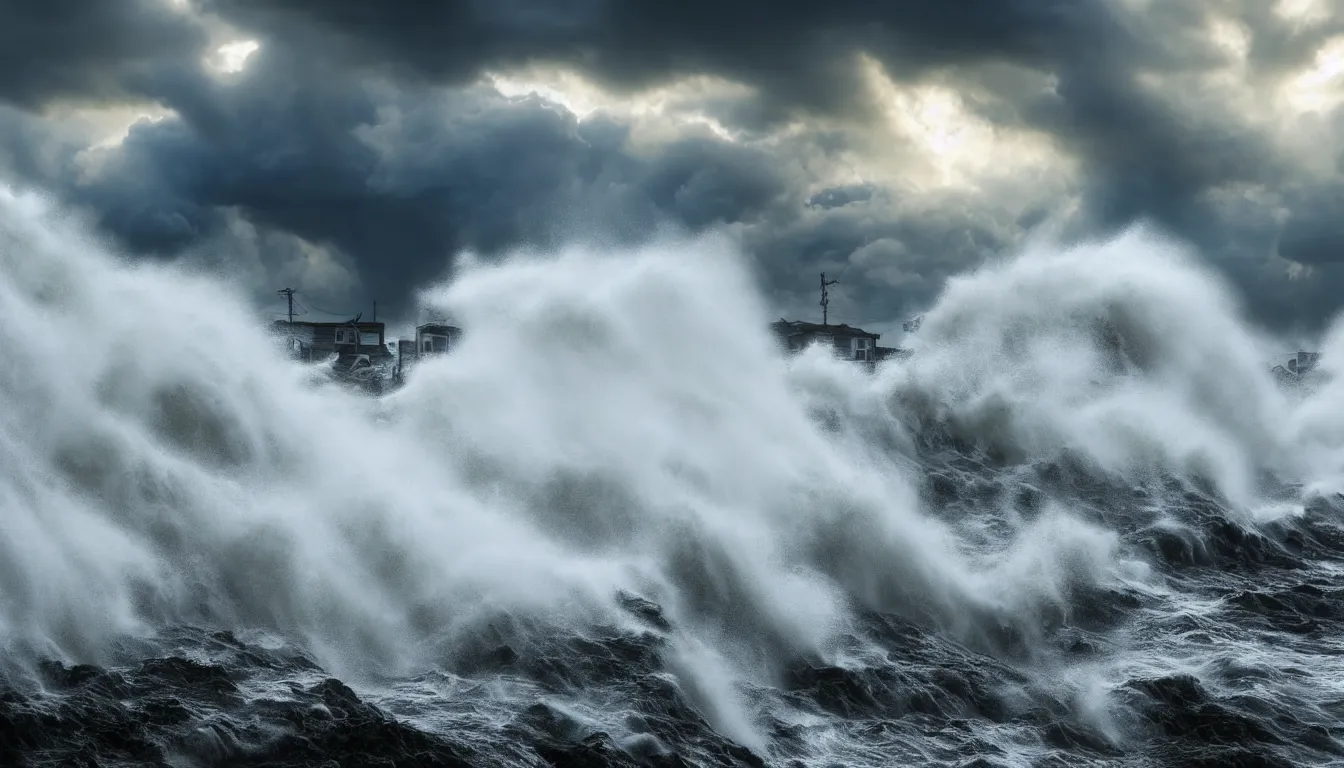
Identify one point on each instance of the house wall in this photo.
(319, 341)
(842, 343)
(436, 340)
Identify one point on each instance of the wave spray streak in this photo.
(613, 429)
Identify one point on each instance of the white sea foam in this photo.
(612, 423)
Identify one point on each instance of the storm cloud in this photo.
(363, 144)
(103, 50)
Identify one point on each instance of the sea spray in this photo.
(1126, 353)
(617, 428)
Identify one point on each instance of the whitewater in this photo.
(1080, 525)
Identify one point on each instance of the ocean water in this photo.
(1081, 525)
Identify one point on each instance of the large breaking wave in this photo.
(618, 508)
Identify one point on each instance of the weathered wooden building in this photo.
(431, 339)
(315, 342)
(436, 339)
(848, 342)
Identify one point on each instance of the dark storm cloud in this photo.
(340, 133)
(798, 56)
(798, 53)
(88, 49)
(1144, 155)
(399, 180)
(889, 263)
(1146, 159)
(837, 197)
(1313, 236)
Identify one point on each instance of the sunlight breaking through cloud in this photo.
(232, 57)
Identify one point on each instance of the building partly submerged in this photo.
(356, 352)
(847, 342)
(431, 340)
(1298, 369)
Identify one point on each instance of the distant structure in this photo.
(436, 339)
(1298, 366)
(826, 298)
(431, 340)
(357, 350)
(848, 342)
(315, 342)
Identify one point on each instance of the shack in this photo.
(314, 342)
(849, 342)
(431, 340)
(436, 339)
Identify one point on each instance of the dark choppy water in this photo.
(1081, 526)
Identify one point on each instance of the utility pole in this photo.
(375, 310)
(288, 293)
(825, 297)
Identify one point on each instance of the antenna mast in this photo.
(825, 297)
(288, 293)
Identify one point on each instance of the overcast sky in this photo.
(350, 148)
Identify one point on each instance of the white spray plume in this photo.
(611, 423)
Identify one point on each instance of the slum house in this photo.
(431, 339)
(849, 343)
(314, 342)
(436, 339)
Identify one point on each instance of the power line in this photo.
(294, 309)
(329, 312)
(302, 307)
(288, 293)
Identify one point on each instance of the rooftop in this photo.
(432, 327)
(799, 326)
(336, 324)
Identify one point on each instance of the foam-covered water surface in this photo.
(1080, 525)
